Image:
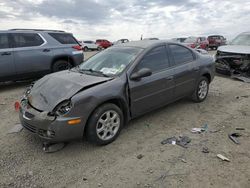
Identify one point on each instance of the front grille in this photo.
(29, 127)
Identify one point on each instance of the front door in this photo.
(153, 91)
(7, 67)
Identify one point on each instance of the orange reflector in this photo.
(74, 121)
(17, 106)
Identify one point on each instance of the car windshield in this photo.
(190, 39)
(243, 39)
(110, 62)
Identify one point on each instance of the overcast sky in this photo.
(115, 19)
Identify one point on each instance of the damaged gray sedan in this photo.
(97, 98)
(234, 59)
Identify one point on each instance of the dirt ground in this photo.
(80, 164)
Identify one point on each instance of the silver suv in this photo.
(27, 53)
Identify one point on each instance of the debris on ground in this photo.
(51, 148)
(239, 128)
(182, 141)
(2, 103)
(240, 77)
(205, 150)
(233, 137)
(223, 157)
(171, 140)
(16, 129)
(140, 156)
(17, 106)
(183, 160)
(215, 131)
(200, 130)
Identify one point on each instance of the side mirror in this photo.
(144, 72)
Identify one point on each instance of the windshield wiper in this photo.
(93, 71)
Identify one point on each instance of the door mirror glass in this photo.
(144, 72)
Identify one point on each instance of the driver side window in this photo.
(155, 60)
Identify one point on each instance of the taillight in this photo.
(77, 47)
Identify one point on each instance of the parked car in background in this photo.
(103, 43)
(120, 41)
(27, 53)
(234, 59)
(180, 40)
(215, 41)
(151, 38)
(97, 98)
(197, 42)
(89, 45)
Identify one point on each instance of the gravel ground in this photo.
(137, 158)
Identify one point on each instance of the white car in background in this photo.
(89, 45)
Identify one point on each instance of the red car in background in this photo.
(197, 42)
(103, 43)
(215, 41)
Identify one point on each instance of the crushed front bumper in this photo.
(51, 129)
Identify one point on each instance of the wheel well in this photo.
(66, 58)
(117, 102)
(208, 76)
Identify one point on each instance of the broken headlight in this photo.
(28, 90)
(63, 108)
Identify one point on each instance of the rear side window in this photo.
(64, 38)
(27, 39)
(4, 41)
(156, 60)
(181, 54)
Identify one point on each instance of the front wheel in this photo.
(201, 90)
(105, 124)
(61, 65)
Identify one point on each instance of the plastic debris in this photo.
(223, 157)
(233, 137)
(205, 150)
(182, 141)
(51, 148)
(17, 106)
(239, 128)
(183, 160)
(140, 156)
(16, 129)
(200, 130)
(171, 140)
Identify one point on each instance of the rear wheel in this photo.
(201, 90)
(85, 48)
(61, 65)
(99, 48)
(104, 124)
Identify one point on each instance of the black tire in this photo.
(93, 124)
(196, 96)
(85, 49)
(61, 65)
(99, 48)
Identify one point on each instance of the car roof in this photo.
(31, 31)
(144, 43)
(247, 32)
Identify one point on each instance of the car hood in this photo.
(239, 49)
(52, 89)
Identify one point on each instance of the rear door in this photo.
(153, 91)
(31, 53)
(186, 70)
(7, 67)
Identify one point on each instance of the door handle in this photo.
(46, 50)
(6, 53)
(170, 78)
